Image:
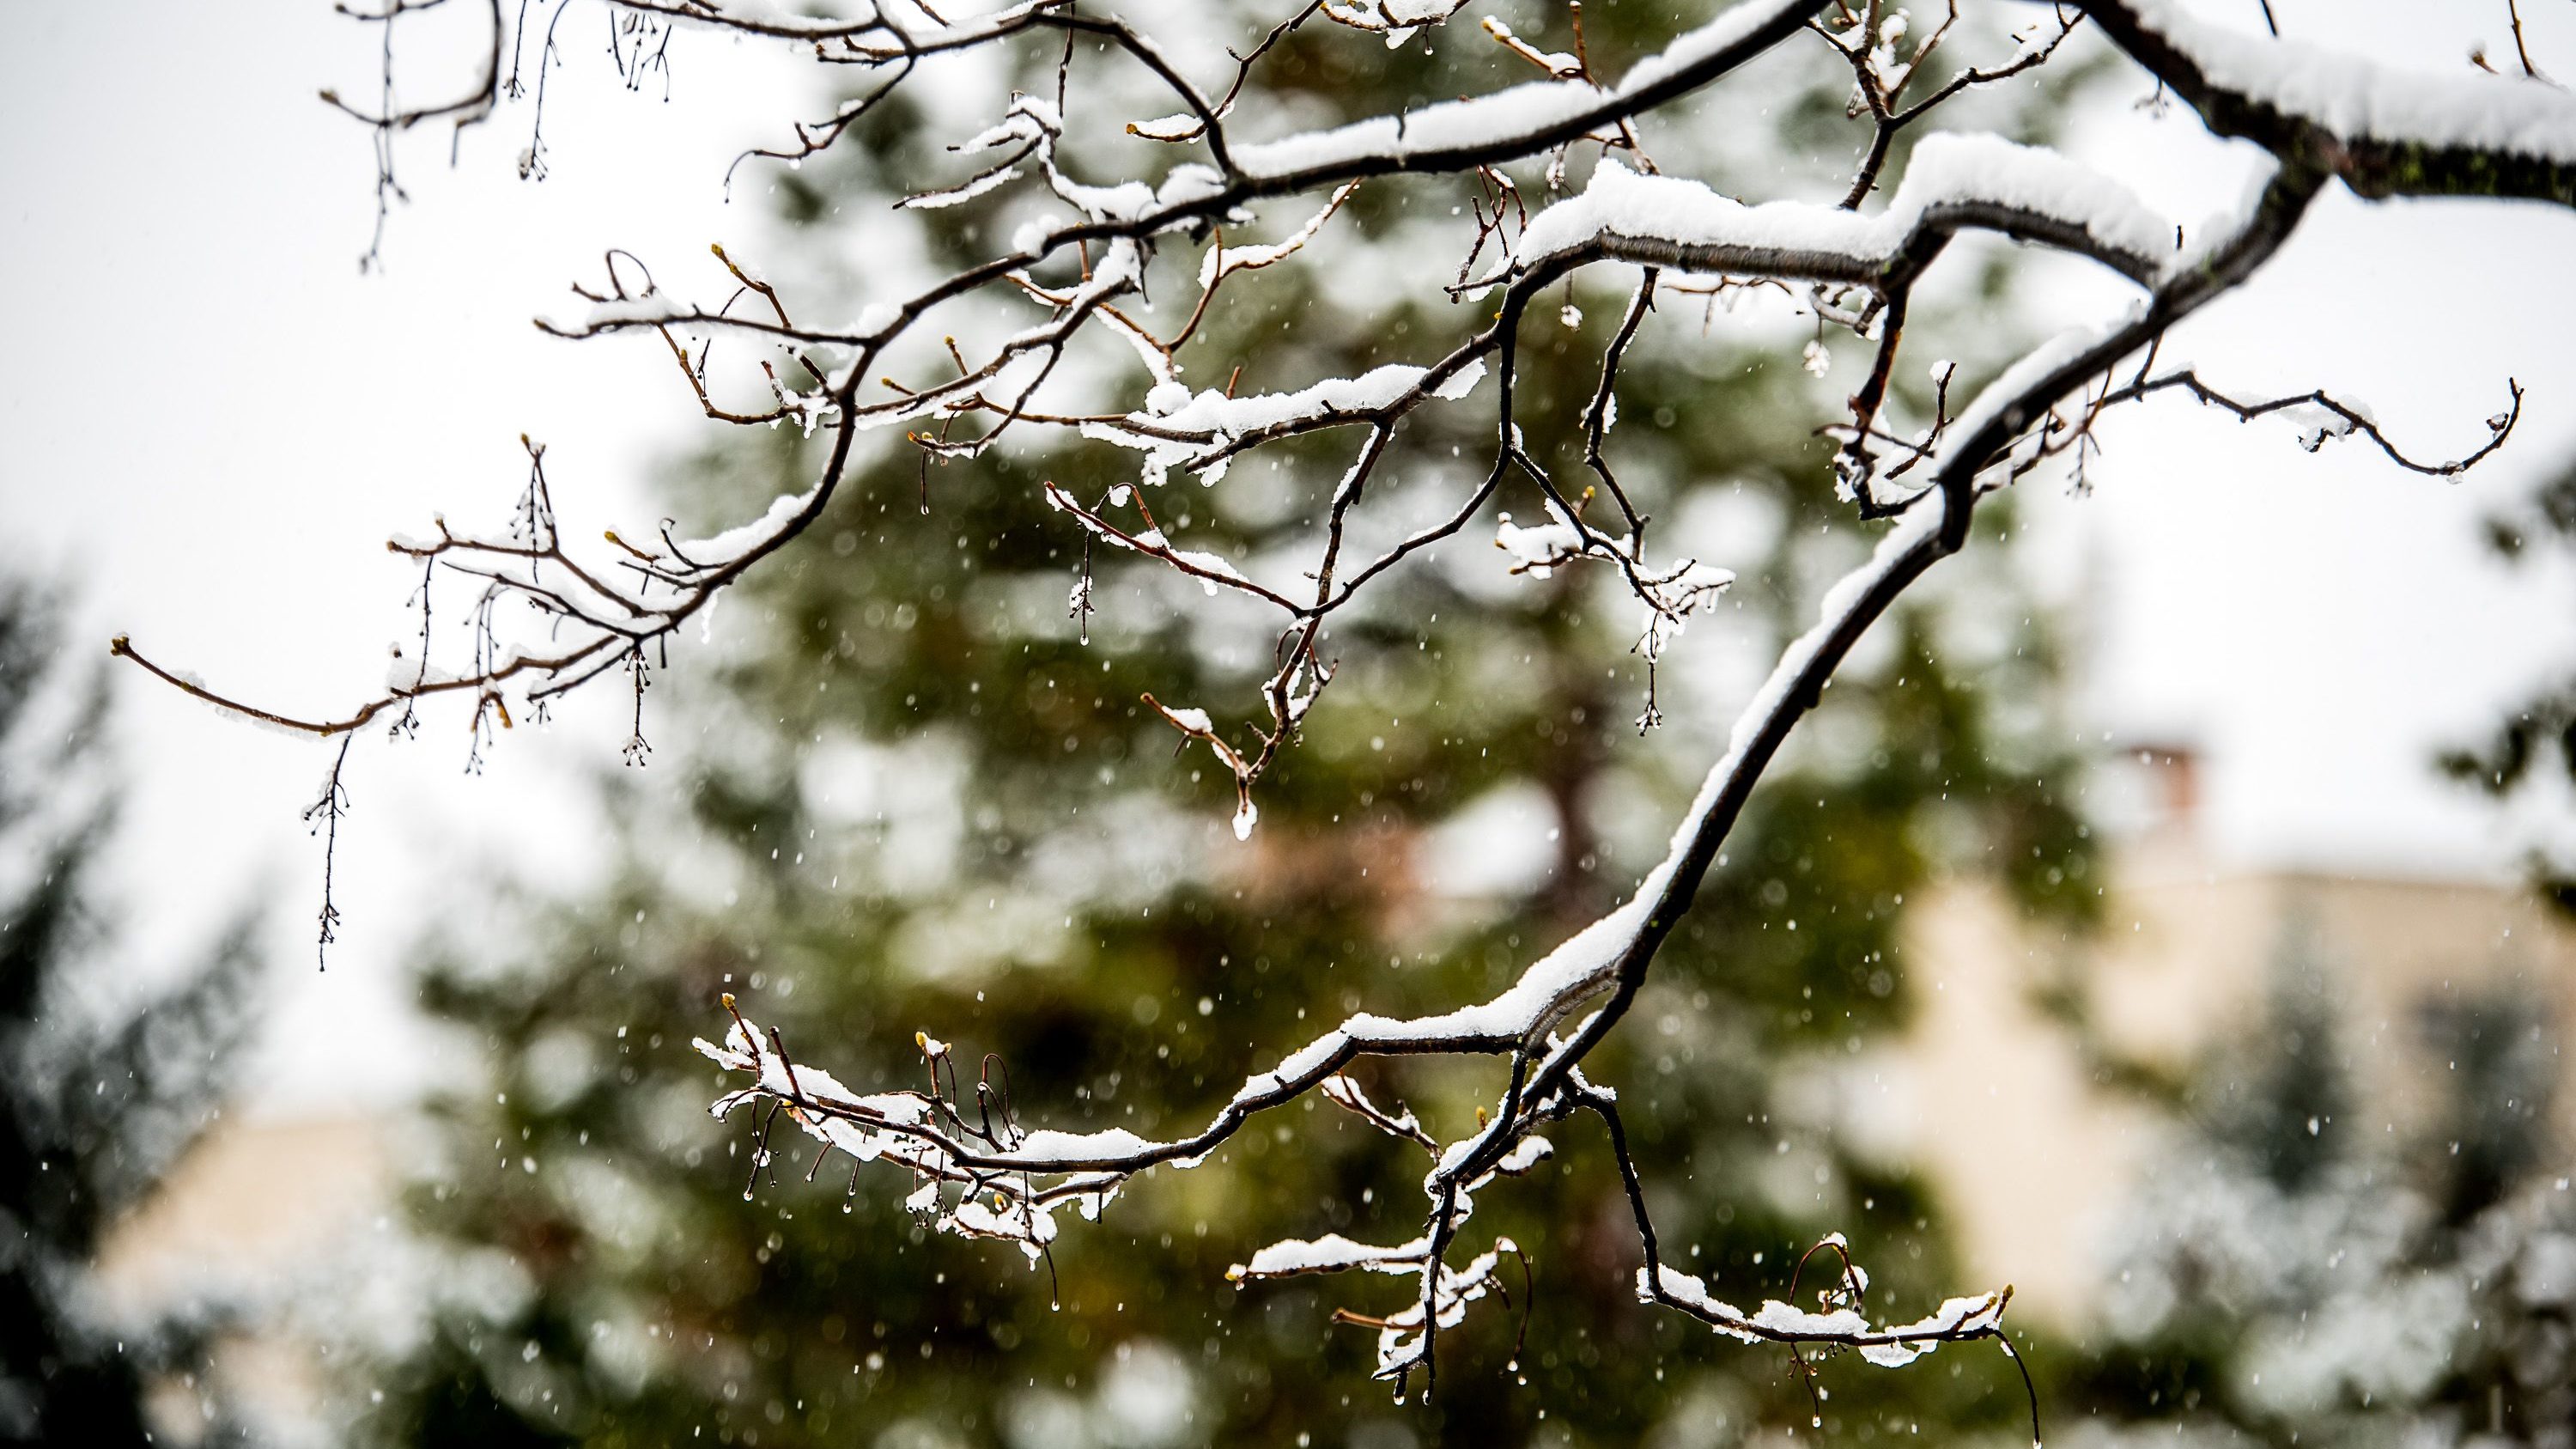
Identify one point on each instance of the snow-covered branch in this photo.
(1049, 311)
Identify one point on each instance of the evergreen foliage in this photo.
(2515, 758)
(95, 1103)
(2293, 1271)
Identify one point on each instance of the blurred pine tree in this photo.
(2514, 761)
(96, 1102)
(2289, 1275)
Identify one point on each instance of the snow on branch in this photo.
(1526, 119)
(1893, 1346)
(1956, 182)
(2383, 131)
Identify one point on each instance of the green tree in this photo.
(913, 796)
(97, 1098)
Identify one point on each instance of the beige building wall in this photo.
(258, 1211)
(2019, 1122)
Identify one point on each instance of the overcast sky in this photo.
(2321, 624)
(212, 421)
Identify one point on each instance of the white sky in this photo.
(212, 421)
(2322, 624)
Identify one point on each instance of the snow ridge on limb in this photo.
(1955, 182)
(1892, 1346)
(2384, 131)
(1523, 119)
(1199, 433)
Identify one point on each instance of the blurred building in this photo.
(2028, 1082)
(264, 1220)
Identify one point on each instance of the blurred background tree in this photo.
(99, 1094)
(2294, 1271)
(2516, 759)
(910, 795)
